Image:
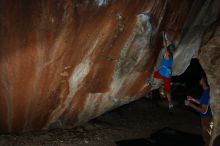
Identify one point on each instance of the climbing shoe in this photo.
(149, 82)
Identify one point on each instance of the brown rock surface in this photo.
(210, 60)
(69, 61)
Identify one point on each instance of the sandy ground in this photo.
(135, 120)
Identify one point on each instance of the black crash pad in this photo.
(166, 137)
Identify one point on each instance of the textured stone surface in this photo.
(65, 62)
(202, 16)
(210, 60)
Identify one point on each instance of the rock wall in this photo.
(201, 17)
(65, 62)
(210, 60)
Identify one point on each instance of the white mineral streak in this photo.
(76, 78)
(44, 62)
(146, 29)
(120, 85)
(117, 92)
(102, 2)
(115, 97)
(89, 107)
(137, 47)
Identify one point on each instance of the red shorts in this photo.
(167, 86)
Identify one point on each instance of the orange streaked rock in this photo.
(70, 61)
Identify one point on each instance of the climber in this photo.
(203, 107)
(164, 72)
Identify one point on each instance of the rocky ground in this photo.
(135, 120)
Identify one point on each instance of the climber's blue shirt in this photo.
(205, 100)
(165, 68)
